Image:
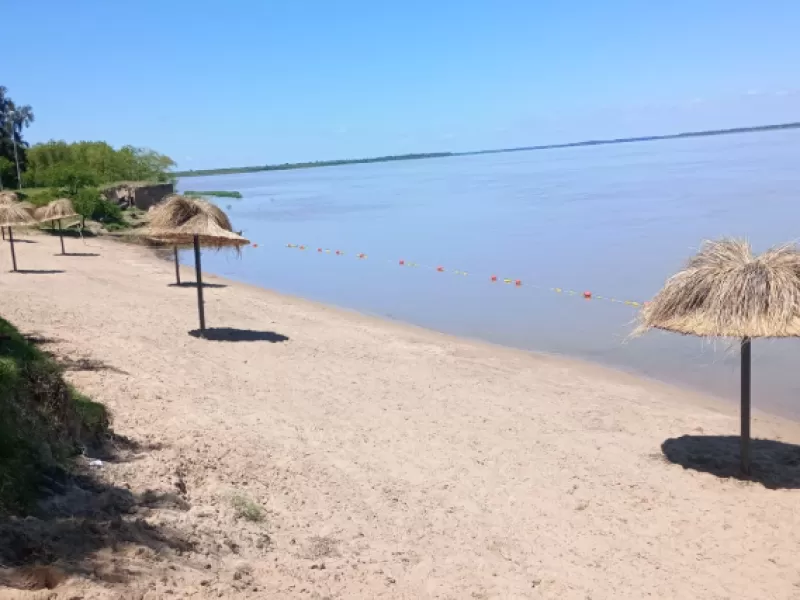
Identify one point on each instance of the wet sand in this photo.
(395, 462)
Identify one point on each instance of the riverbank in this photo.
(379, 460)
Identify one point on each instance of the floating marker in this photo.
(402, 262)
(255, 245)
(338, 252)
(302, 247)
(518, 282)
(319, 249)
(440, 269)
(558, 290)
(362, 255)
(587, 295)
(494, 277)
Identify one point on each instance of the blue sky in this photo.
(248, 82)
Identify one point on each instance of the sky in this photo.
(251, 82)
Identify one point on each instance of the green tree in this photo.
(13, 119)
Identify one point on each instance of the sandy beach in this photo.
(391, 461)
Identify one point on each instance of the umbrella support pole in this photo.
(3, 229)
(177, 266)
(13, 254)
(61, 235)
(745, 410)
(199, 283)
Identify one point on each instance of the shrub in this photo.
(42, 419)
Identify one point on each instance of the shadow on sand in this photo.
(193, 284)
(38, 271)
(80, 515)
(77, 254)
(775, 465)
(228, 334)
(22, 241)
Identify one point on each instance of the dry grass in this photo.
(15, 214)
(727, 291)
(178, 220)
(176, 210)
(56, 210)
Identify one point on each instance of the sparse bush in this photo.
(247, 509)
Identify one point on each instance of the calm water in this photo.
(615, 220)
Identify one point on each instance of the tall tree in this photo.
(13, 119)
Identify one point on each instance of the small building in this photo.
(142, 195)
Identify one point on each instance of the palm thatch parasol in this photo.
(726, 291)
(175, 210)
(181, 221)
(55, 211)
(12, 215)
(7, 197)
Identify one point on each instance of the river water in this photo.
(614, 220)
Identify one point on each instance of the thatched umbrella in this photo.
(175, 210)
(726, 291)
(55, 211)
(182, 221)
(11, 215)
(7, 197)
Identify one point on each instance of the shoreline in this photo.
(390, 461)
(683, 393)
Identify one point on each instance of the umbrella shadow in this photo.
(77, 254)
(193, 284)
(38, 271)
(230, 334)
(773, 464)
(22, 241)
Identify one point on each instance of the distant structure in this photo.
(138, 194)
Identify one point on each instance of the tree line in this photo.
(71, 166)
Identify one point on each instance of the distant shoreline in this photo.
(419, 156)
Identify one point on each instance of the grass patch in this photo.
(43, 421)
(218, 194)
(247, 509)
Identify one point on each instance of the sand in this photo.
(389, 461)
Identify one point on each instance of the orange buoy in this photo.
(518, 282)
(255, 245)
(587, 295)
(338, 252)
(362, 255)
(319, 249)
(494, 277)
(440, 269)
(402, 262)
(302, 247)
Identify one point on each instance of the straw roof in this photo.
(176, 210)
(726, 291)
(7, 197)
(178, 219)
(15, 214)
(57, 210)
(203, 226)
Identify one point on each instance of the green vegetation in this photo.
(309, 165)
(247, 509)
(330, 163)
(13, 119)
(84, 164)
(43, 420)
(218, 194)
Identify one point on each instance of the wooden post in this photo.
(13, 254)
(61, 235)
(199, 282)
(177, 266)
(3, 229)
(745, 442)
